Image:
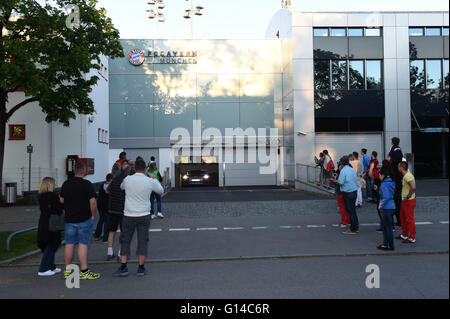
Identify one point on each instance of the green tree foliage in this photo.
(48, 60)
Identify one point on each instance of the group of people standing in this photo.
(389, 184)
(125, 201)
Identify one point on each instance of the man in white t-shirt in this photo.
(138, 188)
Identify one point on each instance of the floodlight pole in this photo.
(192, 21)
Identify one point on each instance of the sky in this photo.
(234, 19)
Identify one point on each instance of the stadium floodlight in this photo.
(152, 14)
(161, 5)
(190, 12)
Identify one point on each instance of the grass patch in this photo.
(19, 245)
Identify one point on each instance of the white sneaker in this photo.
(46, 273)
(160, 215)
(153, 216)
(57, 270)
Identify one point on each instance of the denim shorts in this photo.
(79, 233)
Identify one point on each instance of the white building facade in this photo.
(52, 142)
(340, 81)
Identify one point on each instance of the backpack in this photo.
(330, 165)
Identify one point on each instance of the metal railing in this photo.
(20, 176)
(310, 174)
(166, 184)
(8, 241)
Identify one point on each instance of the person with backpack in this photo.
(396, 157)
(153, 170)
(328, 168)
(372, 169)
(386, 207)
(345, 221)
(348, 182)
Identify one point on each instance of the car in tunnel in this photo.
(196, 177)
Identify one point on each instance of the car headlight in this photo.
(185, 177)
(206, 176)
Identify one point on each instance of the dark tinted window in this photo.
(322, 74)
(414, 32)
(356, 75)
(320, 32)
(417, 74)
(373, 68)
(373, 32)
(434, 74)
(338, 32)
(339, 75)
(355, 32)
(433, 31)
(446, 74)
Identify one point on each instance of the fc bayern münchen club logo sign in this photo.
(136, 57)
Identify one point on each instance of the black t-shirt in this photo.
(76, 193)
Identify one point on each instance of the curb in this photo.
(256, 258)
(17, 258)
(14, 259)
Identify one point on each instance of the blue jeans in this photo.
(387, 223)
(349, 202)
(158, 202)
(47, 261)
(79, 233)
(369, 186)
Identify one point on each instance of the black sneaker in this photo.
(141, 271)
(385, 247)
(121, 272)
(401, 237)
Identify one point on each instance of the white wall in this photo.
(53, 142)
(94, 149)
(37, 133)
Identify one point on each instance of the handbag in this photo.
(56, 223)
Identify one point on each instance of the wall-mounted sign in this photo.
(137, 57)
(17, 132)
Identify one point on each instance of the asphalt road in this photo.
(261, 253)
(416, 276)
(259, 248)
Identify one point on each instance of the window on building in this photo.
(355, 32)
(415, 32)
(445, 31)
(373, 32)
(339, 75)
(373, 71)
(322, 74)
(446, 74)
(434, 74)
(432, 31)
(356, 75)
(417, 74)
(338, 32)
(321, 32)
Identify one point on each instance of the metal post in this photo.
(29, 172)
(29, 151)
